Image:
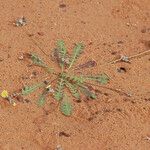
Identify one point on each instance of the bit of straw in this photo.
(127, 59)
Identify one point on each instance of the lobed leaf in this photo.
(76, 79)
(66, 107)
(42, 100)
(88, 93)
(58, 94)
(73, 89)
(62, 52)
(30, 89)
(76, 53)
(102, 78)
(37, 61)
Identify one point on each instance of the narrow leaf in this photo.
(88, 93)
(102, 78)
(37, 61)
(88, 64)
(62, 51)
(76, 53)
(41, 100)
(56, 56)
(30, 89)
(76, 79)
(73, 89)
(58, 95)
(66, 108)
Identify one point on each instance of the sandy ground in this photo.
(108, 29)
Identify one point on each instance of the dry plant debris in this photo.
(127, 59)
(20, 22)
(6, 96)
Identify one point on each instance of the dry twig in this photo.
(127, 59)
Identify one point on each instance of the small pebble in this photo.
(27, 100)
(143, 30)
(59, 147)
(40, 33)
(21, 57)
(120, 42)
(119, 109)
(34, 73)
(113, 52)
(14, 104)
(1, 59)
(64, 134)
(30, 35)
(147, 44)
(121, 70)
(62, 5)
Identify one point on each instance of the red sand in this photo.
(108, 28)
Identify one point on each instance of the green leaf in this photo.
(62, 51)
(102, 78)
(42, 100)
(77, 79)
(66, 108)
(37, 61)
(58, 94)
(76, 53)
(73, 89)
(93, 96)
(88, 93)
(30, 89)
(49, 70)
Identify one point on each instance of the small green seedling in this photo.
(76, 84)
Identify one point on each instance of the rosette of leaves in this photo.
(76, 84)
